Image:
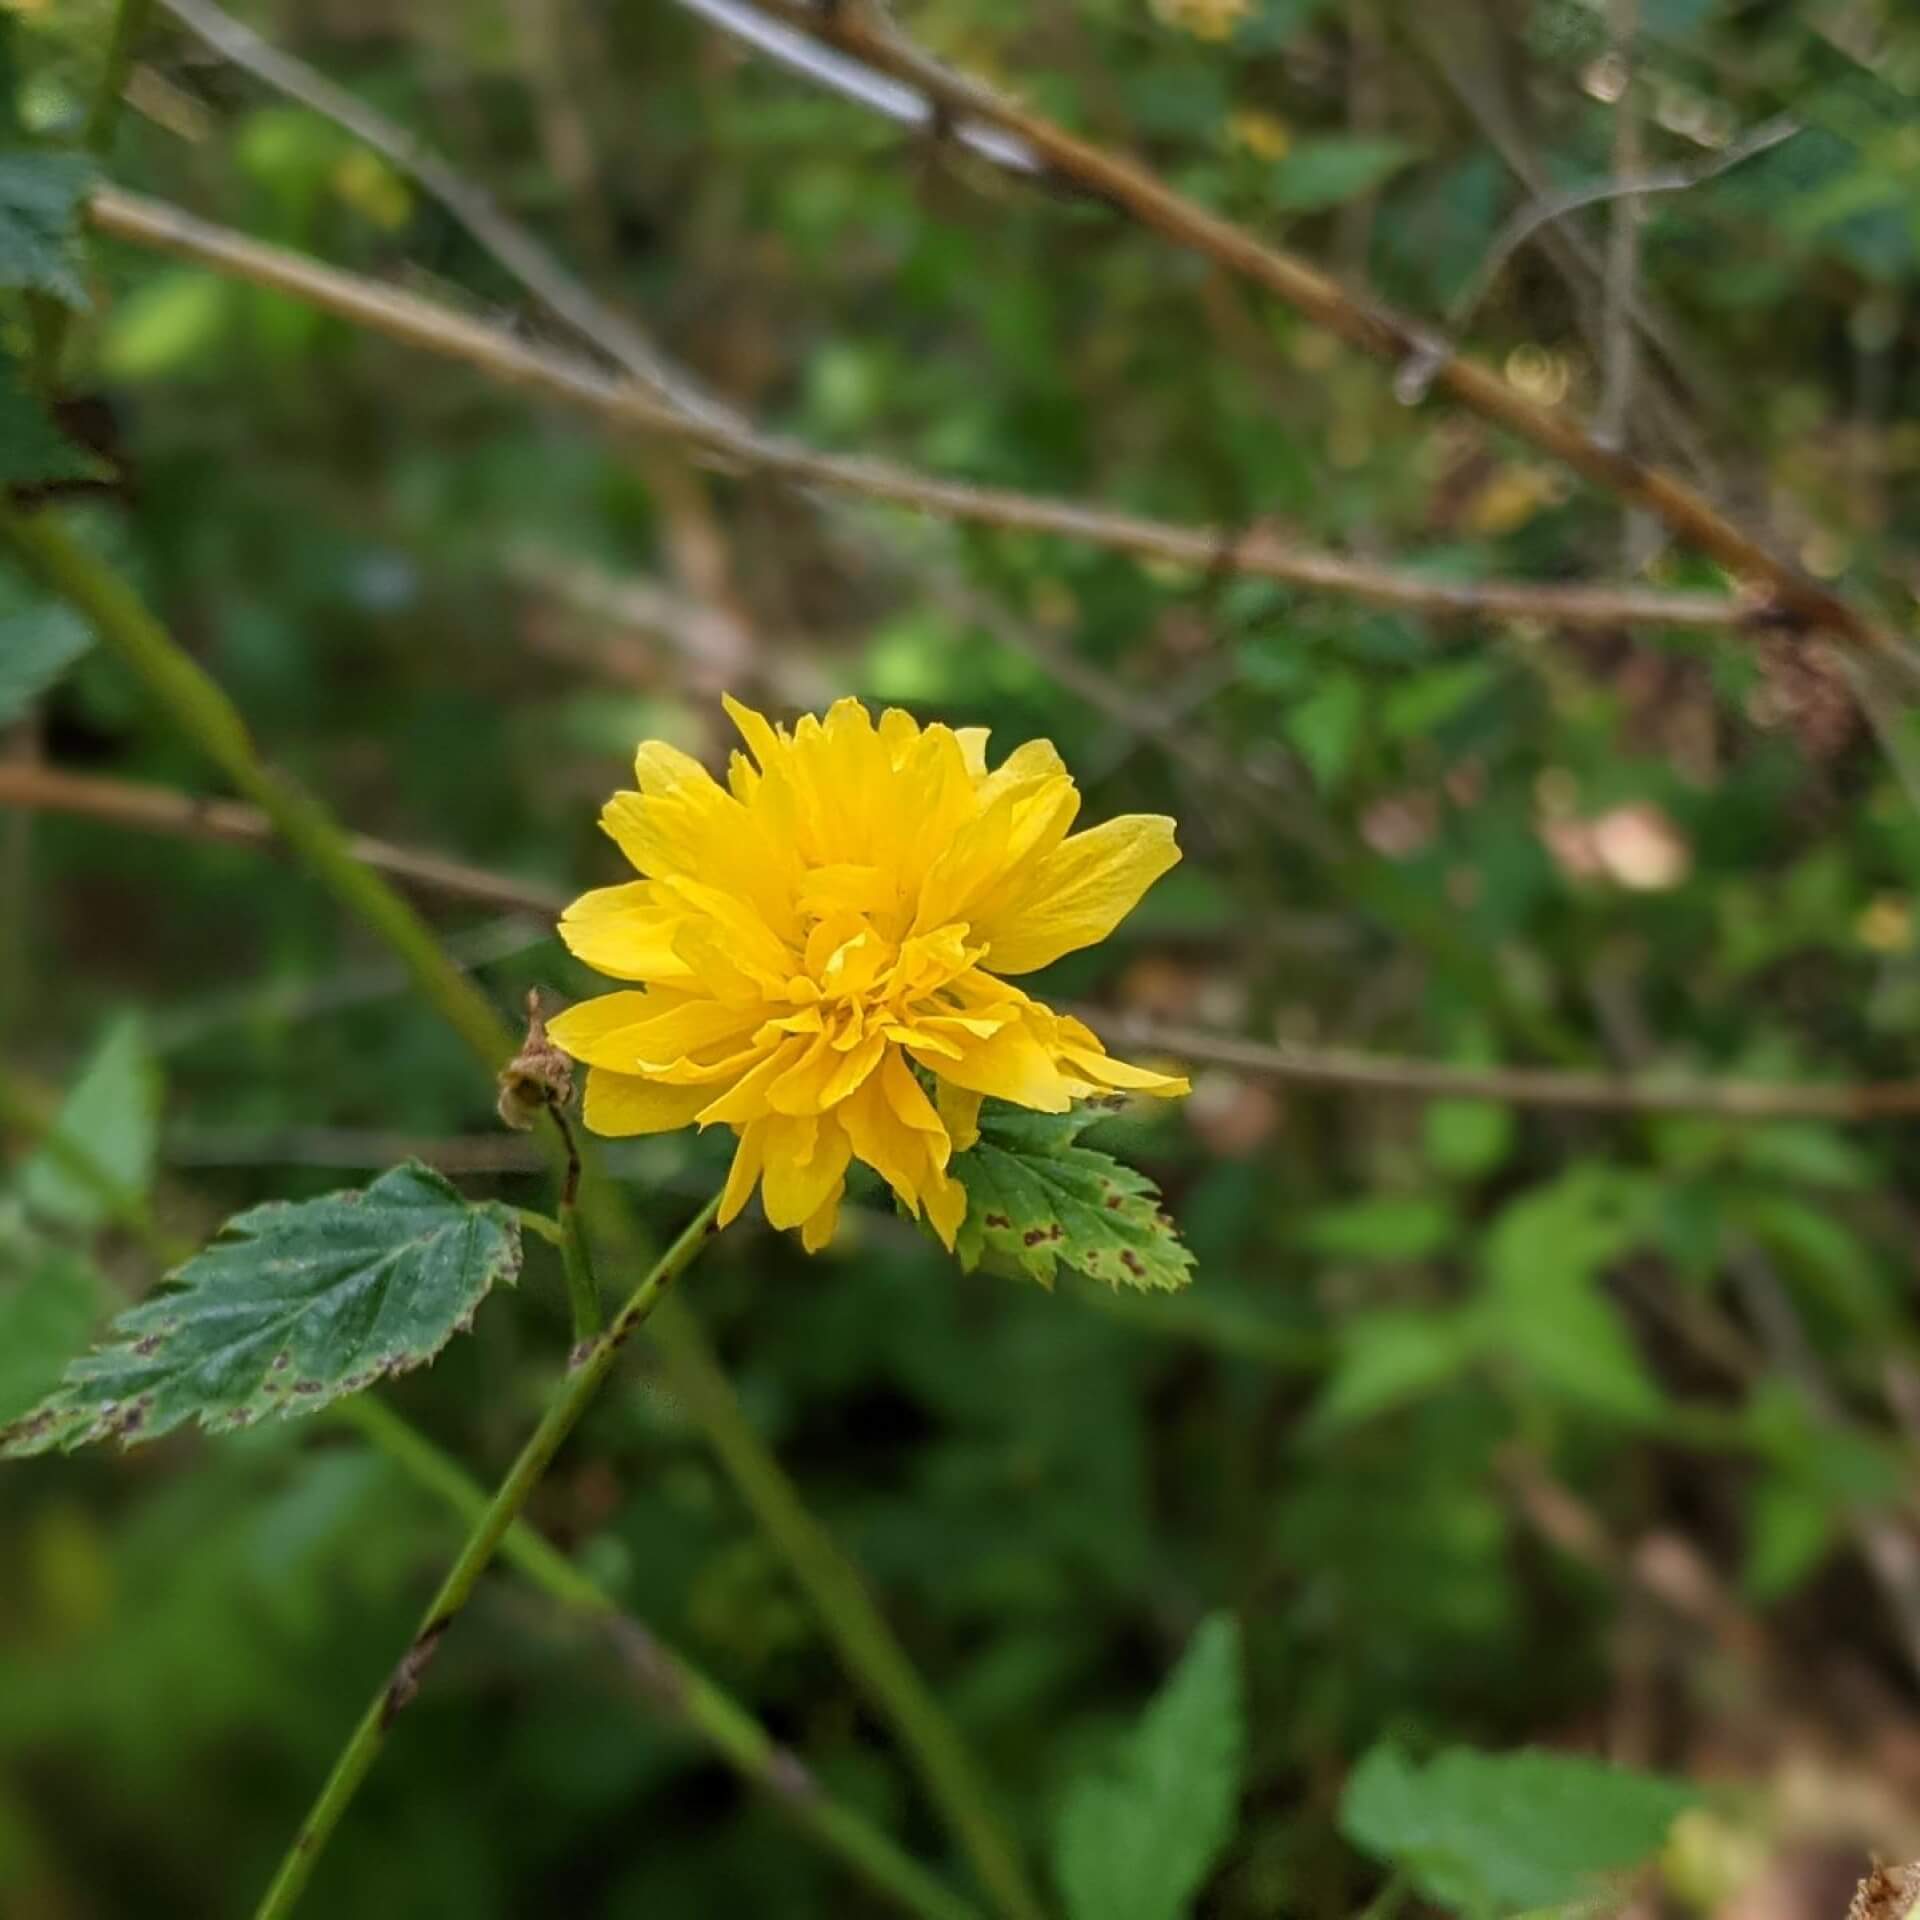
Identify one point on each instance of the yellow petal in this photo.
(1010, 1065)
(946, 1207)
(1101, 1067)
(973, 749)
(960, 1110)
(757, 731)
(1078, 893)
(586, 1028)
(895, 1151)
(748, 1159)
(746, 1100)
(816, 1231)
(623, 931)
(806, 1161)
(619, 1104)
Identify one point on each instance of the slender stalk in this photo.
(680, 1689)
(489, 1531)
(872, 1652)
(576, 1252)
(847, 1609)
(583, 1290)
(204, 712)
(129, 22)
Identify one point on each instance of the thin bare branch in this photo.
(1623, 185)
(510, 243)
(159, 810)
(861, 29)
(30, 786)
(628, 408)
(1618, 341)
(1518, 1086)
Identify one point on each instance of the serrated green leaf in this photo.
(1035, 1199)
(50, 1299)
(297, 1305)
(40, 199)
(1507, 1833)
(112, 1115)
(32, 447)
(1138, 1843)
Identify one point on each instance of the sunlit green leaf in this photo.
(1035, 1198)
(296, 1305)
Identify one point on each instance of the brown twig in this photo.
(30, 786)
(861, 30)
(1520, 1086)
(627, 407)
(510, 243)
(159, 810)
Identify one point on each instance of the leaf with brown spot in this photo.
(1036, 1198)
(294, 1307)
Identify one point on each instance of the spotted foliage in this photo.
(295, 1306)
(1037, 1198)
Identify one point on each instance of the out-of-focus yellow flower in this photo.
(1886, 924)
(1264, 135)
(842, 908)
(1204, 19)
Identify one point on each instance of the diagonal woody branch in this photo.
(628, 408)
(860, 28)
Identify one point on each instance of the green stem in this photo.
(583, 1290)
(865, 1642)
(489, 1531)
(202, 711)
(544, 1224)
(129, 22)
(857, 1627)
(678, 1688)
(576, 1253)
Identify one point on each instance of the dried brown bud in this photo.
(1887, 1893)
(539, 1076)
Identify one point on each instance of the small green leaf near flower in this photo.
(295, 1306)
(1035, 1199)
(41, 194)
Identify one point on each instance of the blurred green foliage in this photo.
(1457, 1382)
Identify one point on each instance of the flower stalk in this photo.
(489, 1533)
(867, 1644)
